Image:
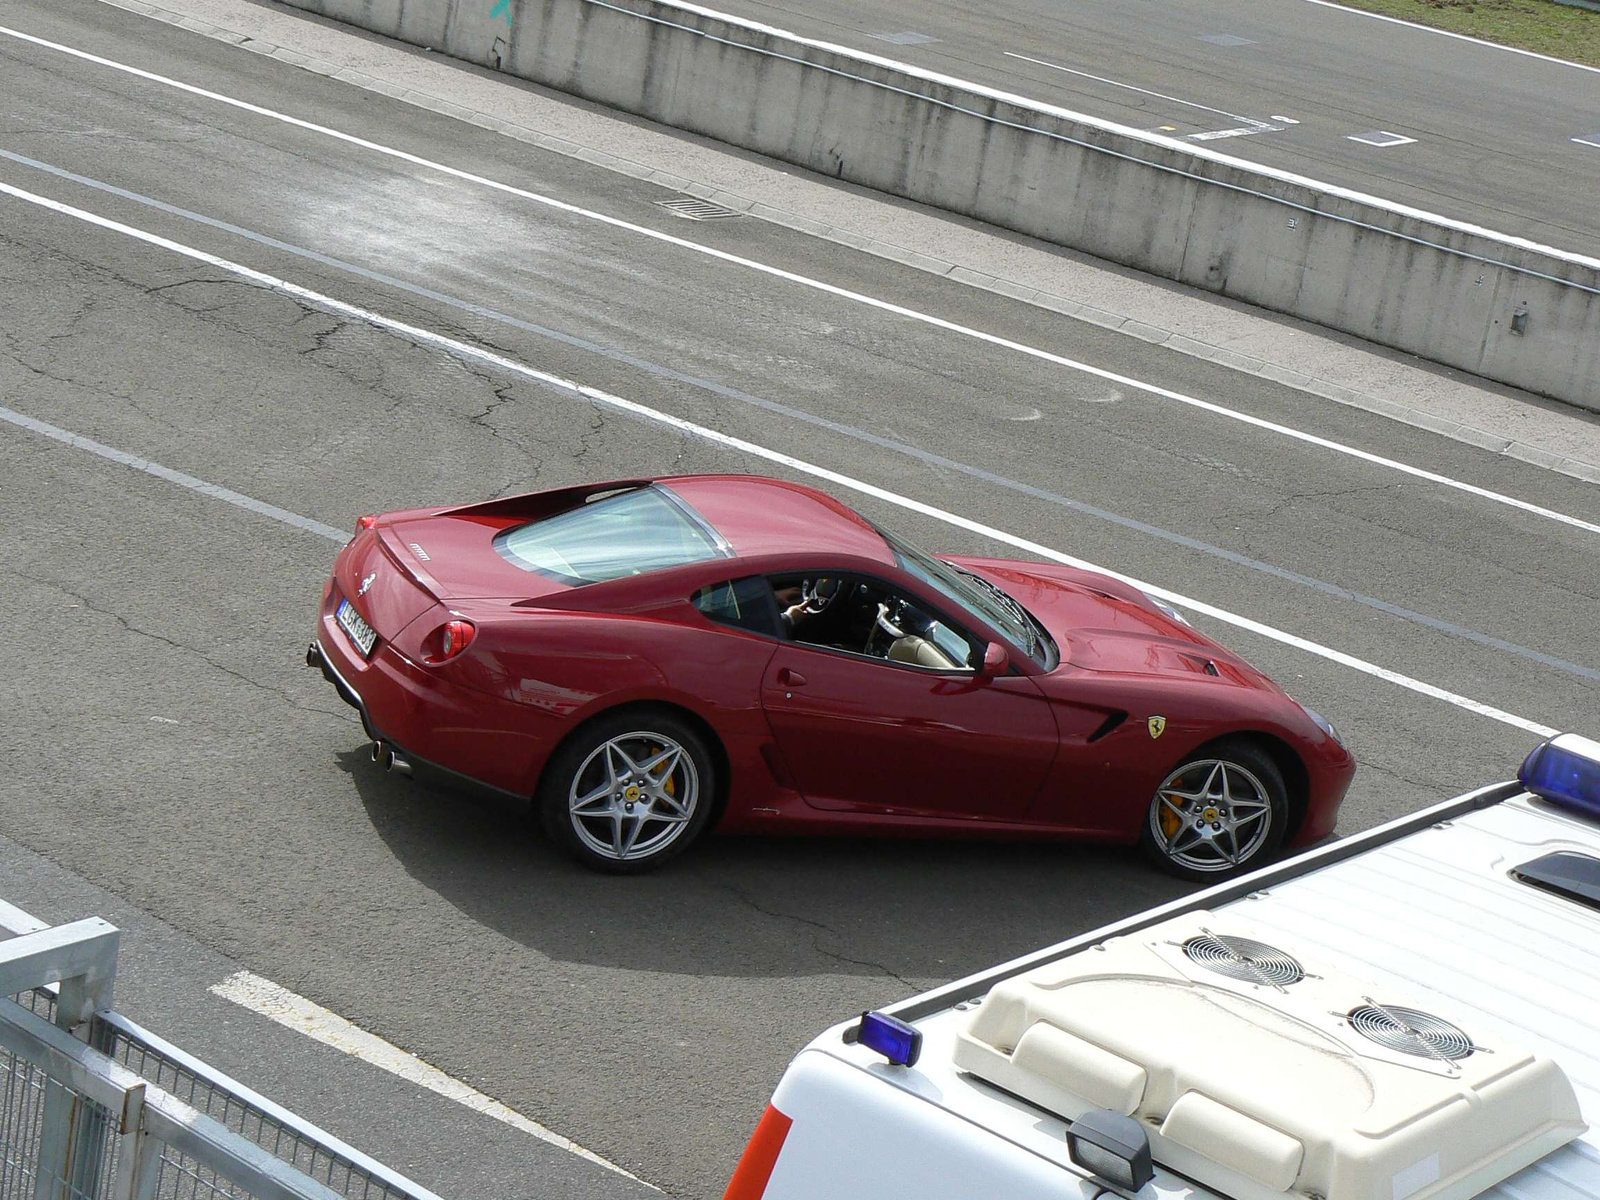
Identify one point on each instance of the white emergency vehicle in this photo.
(1409, 1014)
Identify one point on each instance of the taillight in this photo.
(450, 639)
(366, 522)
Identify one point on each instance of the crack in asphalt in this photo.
(128, 625)
(1430, 787)
(502, 393)
(739, 895)
(131, 399)
(1294, 498)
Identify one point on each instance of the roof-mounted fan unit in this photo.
(1407, 1031)
(1244, 959)
(1262, 1074)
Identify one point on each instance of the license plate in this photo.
(362, 634)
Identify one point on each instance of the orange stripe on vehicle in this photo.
(750, 1178)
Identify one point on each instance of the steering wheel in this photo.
(886, 622)
(815, 599)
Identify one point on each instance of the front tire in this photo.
(1217, 814)
(628, 793)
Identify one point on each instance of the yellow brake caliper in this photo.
(671, 786)
(1170, 821)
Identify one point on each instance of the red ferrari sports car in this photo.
(645, 659)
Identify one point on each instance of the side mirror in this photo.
(995, 660)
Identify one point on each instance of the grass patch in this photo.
(1544, 26)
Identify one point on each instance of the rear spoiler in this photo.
(534, 505)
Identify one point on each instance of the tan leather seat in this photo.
(919, 652)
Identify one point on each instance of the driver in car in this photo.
(795, 609)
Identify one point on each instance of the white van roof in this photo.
(1427, 906)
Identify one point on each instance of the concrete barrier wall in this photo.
(1485, 302)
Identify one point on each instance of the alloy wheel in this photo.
(1211, 815)
(633, 796)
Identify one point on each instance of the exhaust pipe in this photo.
(386, 758)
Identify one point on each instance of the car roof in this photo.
(757, 516)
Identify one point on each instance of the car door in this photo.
(862, 733)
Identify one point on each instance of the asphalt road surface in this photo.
(210, 294)
(1478, 133)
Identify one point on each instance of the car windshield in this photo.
(977, 594)
(623, 534)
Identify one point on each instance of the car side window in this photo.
(863, 616)
(744, 603)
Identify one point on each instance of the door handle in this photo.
(790, 678)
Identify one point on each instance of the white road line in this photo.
(1460, 37)
(1130, 87)
(830, 289)
(1587, 142)
(320, 1024)
(177, 477)
(465, 350)
(1380, 137)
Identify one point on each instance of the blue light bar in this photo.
(891, 1037)
(1565, 771)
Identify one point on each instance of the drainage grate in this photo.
(698, 210)
(904, 39)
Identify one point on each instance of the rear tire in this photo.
(628, 793)
(1218, 813)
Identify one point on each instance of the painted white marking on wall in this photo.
(177, 477)
(320, 1024)
(1130, 87)
(843, 293)
(1380, 137)
(596, 395)
(1460, 37)
(1228, 133)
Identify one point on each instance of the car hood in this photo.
(1102, 624)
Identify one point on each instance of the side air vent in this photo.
(1410, 1032)
(1243, 958)
(1110, 723)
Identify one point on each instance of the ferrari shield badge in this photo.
(1157, 726)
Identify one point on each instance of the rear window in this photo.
(624, 534)
(745, 603)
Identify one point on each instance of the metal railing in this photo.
(95, 1107)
